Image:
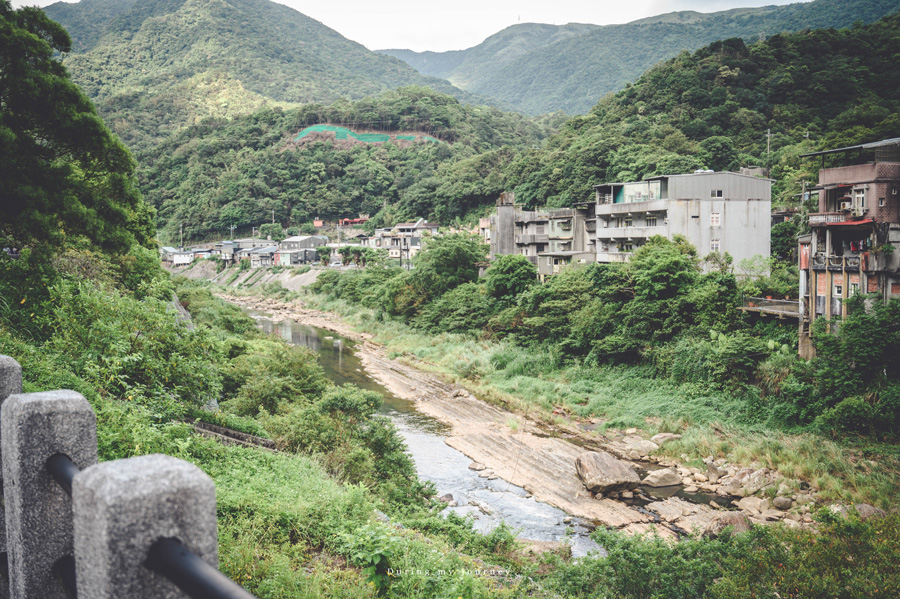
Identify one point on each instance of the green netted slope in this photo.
(342, 134)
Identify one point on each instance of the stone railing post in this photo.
(34, 427)
(122, 507)
(10, 384)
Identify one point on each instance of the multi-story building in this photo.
(300, 242)
(851, 247)
(716, 212)
(550, 239)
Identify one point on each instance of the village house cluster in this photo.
(295, 250)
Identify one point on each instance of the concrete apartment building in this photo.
(550, 239)
(847, 250)
(716, 212)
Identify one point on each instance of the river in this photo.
(489, 502)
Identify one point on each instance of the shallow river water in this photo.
(489, 501)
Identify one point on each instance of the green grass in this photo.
(717, 423)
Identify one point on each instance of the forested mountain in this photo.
(544, 68)
(814, 90)
(711, 109)
(154, 66)
(503, 47)
(221, 173)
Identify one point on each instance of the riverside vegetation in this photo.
(84, 305)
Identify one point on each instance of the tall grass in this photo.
(712, 422)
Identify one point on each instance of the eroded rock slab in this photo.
(602, 473)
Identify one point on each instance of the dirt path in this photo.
(515, 448)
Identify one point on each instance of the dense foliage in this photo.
(661, 310)
(155, 66)
(712, 109)
(64, 175)
(220, 173)
(543, 68)
(709, 109)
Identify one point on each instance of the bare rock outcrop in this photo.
(601, 473)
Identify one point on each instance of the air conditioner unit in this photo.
(846, 205)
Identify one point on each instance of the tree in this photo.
(509, 276)
(447, 262)
(64, 174)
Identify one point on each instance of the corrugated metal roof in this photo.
(894, 141)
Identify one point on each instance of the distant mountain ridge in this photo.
(154, 66)
(544, 68)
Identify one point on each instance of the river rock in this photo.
(641, 446)
(691, 489)
(485, 473)
(867, 511)
(446, 498)
(662, 478)
(782, 503)
(805, 498)
(737, 520)
(477, 466)
(713, 472)
(700, 478)
(746, 481)
(753, 505)
(662, 438)
(600, 472)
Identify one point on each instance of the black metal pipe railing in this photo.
(167, 557)
(63, 470)
(64, 570)
(171, 559)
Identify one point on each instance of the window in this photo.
(715, 219)
(881, 201)
(854, 289)
(628, 246)
(838, 291)
(651, 221)
(714, 245)
(619, 221)
(860, 197)
(716, 193)
(628, 221)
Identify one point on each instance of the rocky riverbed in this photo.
(543, 462)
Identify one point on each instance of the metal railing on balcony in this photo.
(826, 218)
(776, 307)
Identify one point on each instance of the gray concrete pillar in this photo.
(10, 377)
(10, 384)
(122, 507)
(33, 427)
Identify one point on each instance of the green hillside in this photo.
(298, 163)
(154, 66)
(564, 68)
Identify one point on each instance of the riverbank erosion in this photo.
(542, 459)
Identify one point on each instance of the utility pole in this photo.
(768, 151)
(232, 231)
(273, 216)
(181, 228)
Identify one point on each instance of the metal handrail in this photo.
(167, 557)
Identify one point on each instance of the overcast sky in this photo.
(458, 24)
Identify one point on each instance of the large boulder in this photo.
(601, 473)
(714, 473)
(738, 521)
(639, 445)
(662, 478)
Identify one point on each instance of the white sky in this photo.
(430, 25)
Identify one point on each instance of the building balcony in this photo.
(849, 263)
(607, 210)
(630, 232)
(607, 257)
(532, 239)
(532, 217)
